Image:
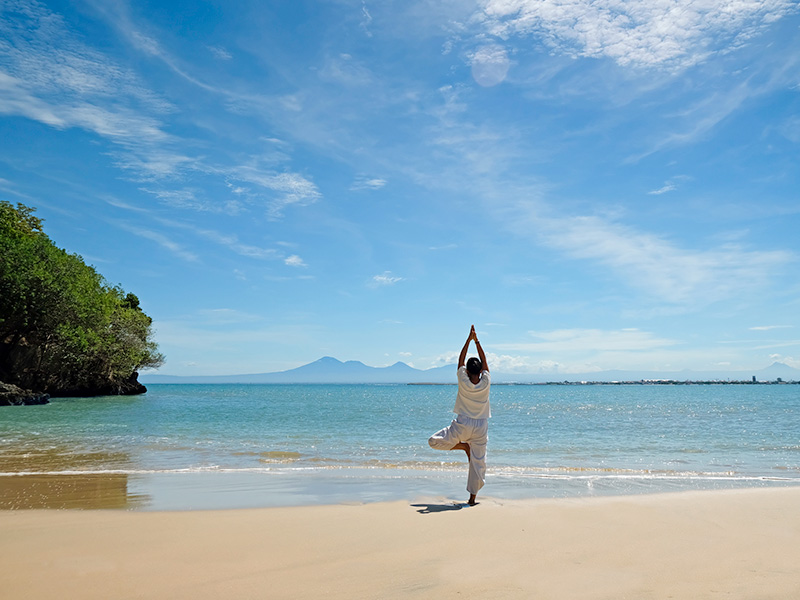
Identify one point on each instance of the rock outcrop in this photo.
(126, 387)
(12, 395)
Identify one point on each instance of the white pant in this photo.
(470, 431)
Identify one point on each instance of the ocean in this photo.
(181, 447)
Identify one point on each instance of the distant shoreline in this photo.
(637, 382)
(644, 382)
(329, 370)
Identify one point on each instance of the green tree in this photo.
(63, 329)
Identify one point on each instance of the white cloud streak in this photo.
(122, 125)
(385, 279)
(286, 189)
(367, 183)
(117, 14)
(162, 240)
(48, 75)
(220, 53)
(658, 267)
(669, 187)
(294, 261)
(671, 34)
(588, 340)
(230, 241)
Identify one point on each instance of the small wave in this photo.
(376, 466)
(616, 471)
(277, 455)
(634, 475)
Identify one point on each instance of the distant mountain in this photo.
(331, 370)
(781, 370)
(324, 370)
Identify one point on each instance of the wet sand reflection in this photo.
(31, 478)
(85, 491)
(59, 458)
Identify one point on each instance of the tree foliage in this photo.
(63, 328)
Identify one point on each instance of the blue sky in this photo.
(594, 185)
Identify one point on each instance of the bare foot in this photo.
(471, 500)
(462, 446)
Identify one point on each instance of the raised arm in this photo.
(462, 358)
(481, 354)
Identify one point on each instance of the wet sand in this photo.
(84, 491)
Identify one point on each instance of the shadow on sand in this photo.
(426, 509)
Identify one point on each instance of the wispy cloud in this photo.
(639, 33)
(698, 120)
(226, 316)
(655, 265)
(787, 360)
(344, 69)
(162, 240)
(588, 340)
(118, 15)
(286, 188)
(667, 187)
(49, 75)
(363, 182)
(220, 52)
(294, 261)
(514, 363)
(152, 163)
(117, 203)
(777, 344)
(47, 61)
(770, 327)
(366, 19)
(180, 199)
(385, 279)
(230, 241)
(119, 124)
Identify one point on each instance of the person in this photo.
(469, 430)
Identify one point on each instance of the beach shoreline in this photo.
(700, 544)
(203, 447)
(243, 489)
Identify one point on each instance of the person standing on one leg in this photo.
(469, 431)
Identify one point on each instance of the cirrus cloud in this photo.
(286, 189)
(657, 266)
(384, 279)
(294, 261)
(596, 340)
(674, 34)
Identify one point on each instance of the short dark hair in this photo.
(474, 366)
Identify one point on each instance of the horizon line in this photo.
(496, 373)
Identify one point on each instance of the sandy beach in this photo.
(721, 544)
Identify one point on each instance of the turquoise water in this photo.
(197, 446)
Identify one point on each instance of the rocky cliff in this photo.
(12, 395)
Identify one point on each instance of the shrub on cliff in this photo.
(63, 328)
